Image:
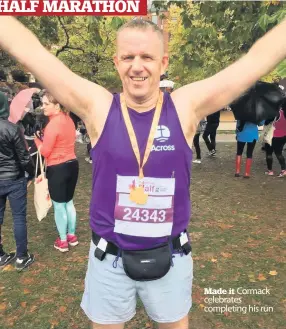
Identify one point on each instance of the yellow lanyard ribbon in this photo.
(132, 135)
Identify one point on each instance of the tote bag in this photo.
(267, 133)
(42, 200)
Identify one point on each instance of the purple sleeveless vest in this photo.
(113, 155)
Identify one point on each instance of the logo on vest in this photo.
(162, 135)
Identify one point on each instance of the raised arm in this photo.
(75, 93)
(208, 96)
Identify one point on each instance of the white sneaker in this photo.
(197, 161)
(88, 160)
(282, 174)
(269, 173)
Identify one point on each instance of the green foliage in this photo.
(281, 69)
(205, 37)
(208, 36)
(85, 44)
(267, 20)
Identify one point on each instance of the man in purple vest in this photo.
(140, 205)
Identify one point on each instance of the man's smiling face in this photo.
(140, 61)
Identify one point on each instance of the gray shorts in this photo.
(110, 295)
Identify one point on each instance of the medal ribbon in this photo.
(132, 135)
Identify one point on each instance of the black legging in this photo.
(62, 180)
(197, 145)
(88, 149)
(277, 147)
(209, 136)
(249, 150)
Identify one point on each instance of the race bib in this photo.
(153, 219)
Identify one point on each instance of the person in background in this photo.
(246, 133)
(88, 149)
(200, 129)
(15, 161)
(166, 85)
(82, 132)
(209, 134)
(278, 142)
(32, 121)
(58, 148)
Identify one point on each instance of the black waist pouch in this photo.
(147, 265)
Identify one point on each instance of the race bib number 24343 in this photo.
(153, 219)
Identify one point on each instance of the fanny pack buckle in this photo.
(100, 249)
(185, 244)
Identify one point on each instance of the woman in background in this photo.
(58, 148)
(278, 142)
(200, 129)
(209, 134)
(246, 133)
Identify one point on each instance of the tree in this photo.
(208, 36)
(85, 44)
(267, 20)
(90, 48)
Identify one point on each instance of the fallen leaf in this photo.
(62, 309)
(3, 306)
(261, 277)
(226, 254)
(27, 291)
(28, 280)
(202, 305)
(213, 260)
(224, 226)
(24, 304)
(202, 266)
(251, 277)
(53, 323)
(33, 308)
(8, 268)
(273, 272)
(148, 325)
(253, 217)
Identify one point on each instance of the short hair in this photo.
(141, 24)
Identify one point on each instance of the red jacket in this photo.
(58, 145)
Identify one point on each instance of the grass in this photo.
(238, 237)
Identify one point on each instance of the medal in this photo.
(137, 194)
